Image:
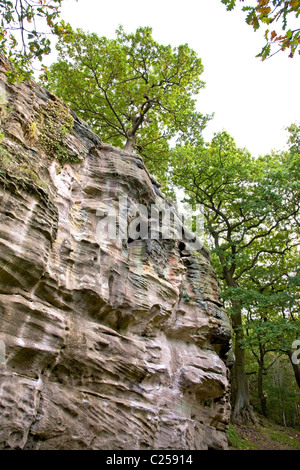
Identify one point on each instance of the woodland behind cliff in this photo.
(142, 96)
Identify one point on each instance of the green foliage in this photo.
(294, 141)
(12, 169)
(284, 439)
(21, 40)
(54, 123)
(3, 112)
(267, 12)
(133, 91)
(251, 210)
(281, 391)
(248, 203)
(264, 436)
(274, 334)
(237, 442)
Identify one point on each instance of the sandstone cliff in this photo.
(109, 344)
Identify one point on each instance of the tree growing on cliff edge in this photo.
(269, 12)
(252, 217)
(134, 92)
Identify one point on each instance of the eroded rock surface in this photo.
(109, 344)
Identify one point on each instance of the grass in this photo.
(238, 441)
(264, 436)
(283, 438)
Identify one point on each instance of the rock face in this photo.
(109, 343)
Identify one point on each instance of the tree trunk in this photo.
(261, 395)
(242, 410)
(296, 367)
(284, 419)
(130, 143)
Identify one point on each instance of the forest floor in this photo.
(263, 436)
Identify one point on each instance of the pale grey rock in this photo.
(109, 344)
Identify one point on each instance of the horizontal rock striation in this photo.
(109, 343)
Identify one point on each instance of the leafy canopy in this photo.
(25, 30)
(132, 90)
(269, 12)
(251, 205)
(251, 210)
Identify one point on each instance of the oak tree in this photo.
(271, 301)
(281, 19)
(134, 92)
(26, 27)
(251, 209)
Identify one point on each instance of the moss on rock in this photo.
(53, 124)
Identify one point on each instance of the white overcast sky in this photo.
(253, 100)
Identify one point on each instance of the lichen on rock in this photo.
(110, 344)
